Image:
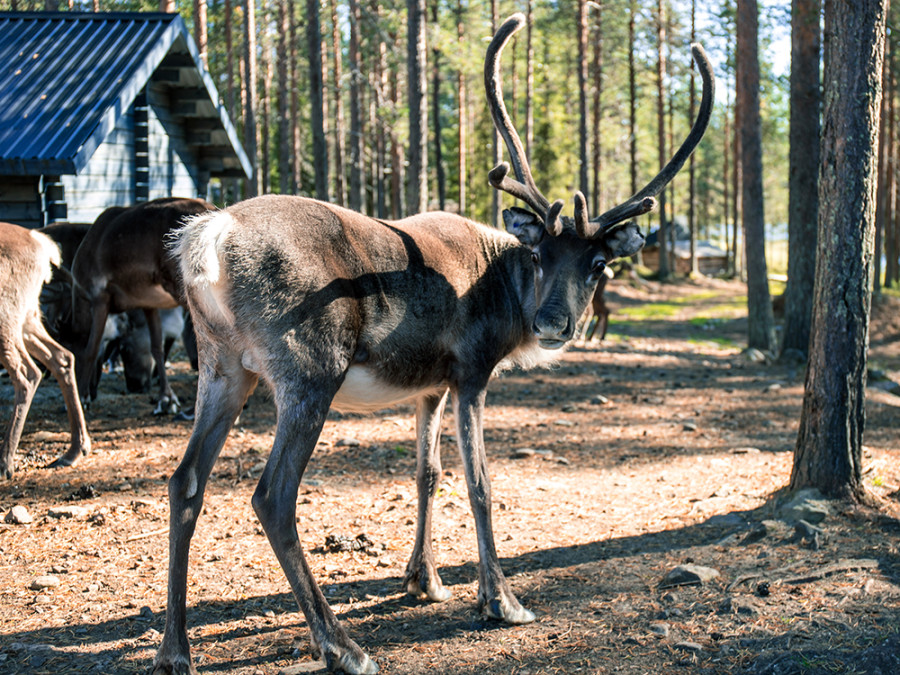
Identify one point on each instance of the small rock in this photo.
(739, 605)
(569, 408)
(44, 581)
(522, 453)
(599, 399)
(686, 646)
(766, 528)
(809, 505)
(73, 511)
(348, 443)
(775, 386)
(689, 575)
(562, 460)
(660, 628)
(745, 451)
(42, 599)
(18, 515)
(689, 426)
(564, 423)
(753, 355)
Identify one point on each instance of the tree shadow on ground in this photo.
(558, 582)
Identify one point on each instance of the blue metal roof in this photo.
(67, 77)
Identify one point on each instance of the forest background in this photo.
(350, 60)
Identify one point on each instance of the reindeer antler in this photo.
(524, 188)
(644, 200)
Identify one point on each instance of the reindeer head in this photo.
(570, 254)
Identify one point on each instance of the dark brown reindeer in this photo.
(26, 261)
(333, 308)
(123, 264)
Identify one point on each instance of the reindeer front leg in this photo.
(422, 577)
(495, 599)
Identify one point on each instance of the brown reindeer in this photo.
(597, 309)
(333, 308)
(123, 264)
(26, 260)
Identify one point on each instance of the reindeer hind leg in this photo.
(222, 390)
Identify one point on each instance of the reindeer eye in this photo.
(535, 258)
(598, 268)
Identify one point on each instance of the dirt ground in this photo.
(662, 446)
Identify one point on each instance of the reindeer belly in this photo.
(364, 391)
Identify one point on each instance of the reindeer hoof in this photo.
(167, 406)
(177, 666)
(510, 612)
(433, 591)
(6, 471)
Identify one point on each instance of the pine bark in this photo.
(200, 30)
(317, 117)
(285, 173)
(462, 103)
(250, 100)
(597, 113)
(803, 206)
(761, 322)
(581, 32)
(663, 234)
(828, 454)
(355, 193)
(417, 183)
(337, 74)
(436, 116)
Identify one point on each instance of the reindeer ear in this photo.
(623, 240)
(524, 225)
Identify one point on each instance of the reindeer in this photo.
(335, 309)
(122, 264)
(26, 260)
(596, 309)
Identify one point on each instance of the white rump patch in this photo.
(199, 246)
(363, 391)
(51, 250)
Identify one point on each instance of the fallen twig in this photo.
(145, 535)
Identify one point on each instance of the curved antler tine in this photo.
(551, 221)
(643, 201)
(525, 188)
(583, 226)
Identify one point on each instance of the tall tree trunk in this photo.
(436, 116)
(397, 174)
(265, 86)
(355, 194)
(828, 455)
(632, 110)
(167, 6)
(803, 206)
(581, 32)
(230, 186)
(761, 323)
(317, 117)
(737, 180)
(250, 145)
(496, 217)
(726, 181)
(462, 103)
(380, 130)
(692, 182)
(663, 234)
(417, 183)
(340, 189)
(296, 158)
(597, 112)
(285, 177)
(529, 79)
(200, 30)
